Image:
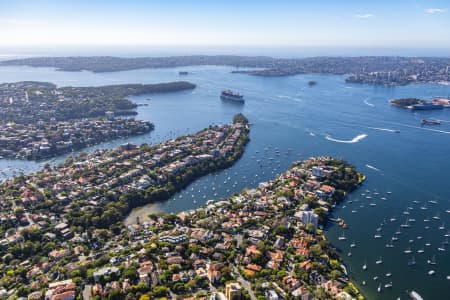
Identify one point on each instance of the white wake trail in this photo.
(352, 141)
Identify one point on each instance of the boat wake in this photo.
(311, 133)
(442, 121)
(352, 141)
(384, 129)
(368, 103)
(289, 98)
(373, 168)
(428, 129)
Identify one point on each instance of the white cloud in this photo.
(435, 10)
(20, 22)
(364, 16)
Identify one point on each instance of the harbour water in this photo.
(292, 121)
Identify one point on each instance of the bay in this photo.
(293, 121)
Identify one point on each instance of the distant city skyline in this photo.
(338, 24)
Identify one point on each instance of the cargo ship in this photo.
(232, 96)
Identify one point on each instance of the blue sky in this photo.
(322, 23)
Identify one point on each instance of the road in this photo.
(245, 284)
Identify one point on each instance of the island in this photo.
(62, 235)
(420, 104)
(377, 70)
(39, 120)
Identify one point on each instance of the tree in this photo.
(179, 288)
(316, 250)
(115, 295)
(159, 291)
(334, 274)
(131, 273)
(282, 230)
(240, 118)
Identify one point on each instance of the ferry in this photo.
(430, 122)
(232, 96)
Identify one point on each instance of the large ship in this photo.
(426, 106)
(232, 96)
(430, 122)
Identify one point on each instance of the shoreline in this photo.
(245, 199)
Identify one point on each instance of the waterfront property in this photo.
(254, 237)
(47, 139)
(39, 120)
(381, 70)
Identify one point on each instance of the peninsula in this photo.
(40, 120)
(48, 139)
(378, 70)
(28, 101)
(62, 236)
